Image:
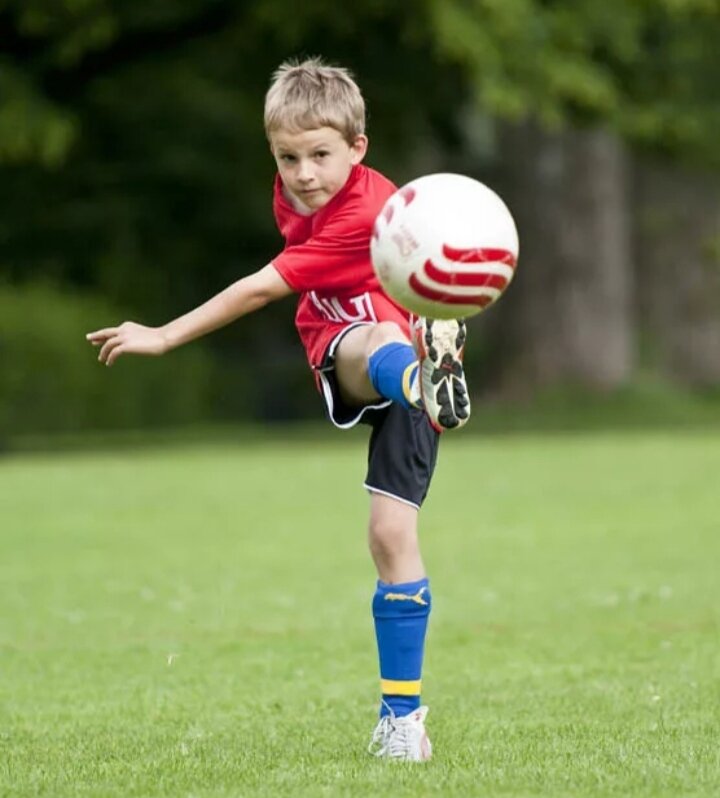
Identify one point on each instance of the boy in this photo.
(357, 342)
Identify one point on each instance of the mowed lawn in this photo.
(195, 620)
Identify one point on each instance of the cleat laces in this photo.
(398, 738)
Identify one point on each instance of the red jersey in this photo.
(327, 260)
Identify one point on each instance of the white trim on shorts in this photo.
(370, 489)
(327, 389)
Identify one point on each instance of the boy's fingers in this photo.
(107, 348)
(114, 355)
(98, 335)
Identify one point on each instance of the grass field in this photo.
(194, 620)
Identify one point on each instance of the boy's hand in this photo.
(129, 338)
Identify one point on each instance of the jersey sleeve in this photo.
(331, 260)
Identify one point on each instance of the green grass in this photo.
(194, 620)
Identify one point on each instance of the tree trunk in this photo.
(678, 271)
(567, 317)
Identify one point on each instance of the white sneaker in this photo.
(439, 344)
(403, 739)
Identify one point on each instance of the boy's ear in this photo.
(359, 148)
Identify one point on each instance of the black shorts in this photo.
(403, 446)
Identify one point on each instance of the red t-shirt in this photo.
(327, 261)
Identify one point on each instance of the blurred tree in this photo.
(649, 70)
(677, 241)
(646, 73)
(569, 317)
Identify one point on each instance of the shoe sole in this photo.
(444, 352)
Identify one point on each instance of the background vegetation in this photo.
(135, 182)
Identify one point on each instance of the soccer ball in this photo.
(444, 246)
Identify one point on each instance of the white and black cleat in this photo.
(439, 344)
(402, 739)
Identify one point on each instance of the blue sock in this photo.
(401, 617)
(392, 369)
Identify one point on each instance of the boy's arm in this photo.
(246, 295)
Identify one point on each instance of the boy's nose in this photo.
(304, 172)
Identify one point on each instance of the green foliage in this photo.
(649, 69)
(50, 380)
(673, 103)
(32, 128)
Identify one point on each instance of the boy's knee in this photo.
(385, 332)
(388, 537)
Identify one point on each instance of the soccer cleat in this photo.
(402, 739)
(439, 344)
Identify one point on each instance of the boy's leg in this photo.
(401, 608)
(401, 604)
(402, 456)
(373, 362)
(393, 540)
(377, 360)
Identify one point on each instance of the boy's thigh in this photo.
(351, 366)
(351, 359)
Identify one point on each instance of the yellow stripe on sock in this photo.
(393, 687)
(407, 388)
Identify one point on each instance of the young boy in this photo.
(357, 342)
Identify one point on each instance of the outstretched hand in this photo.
(127, 339)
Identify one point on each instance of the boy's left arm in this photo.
(242, 297)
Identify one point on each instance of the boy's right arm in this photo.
(246, 295)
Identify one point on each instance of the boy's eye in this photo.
(287, 158)
(322, 154)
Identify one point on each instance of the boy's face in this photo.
(315, 164)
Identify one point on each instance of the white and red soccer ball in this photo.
(444, 246)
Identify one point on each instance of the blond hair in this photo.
(311, 94)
